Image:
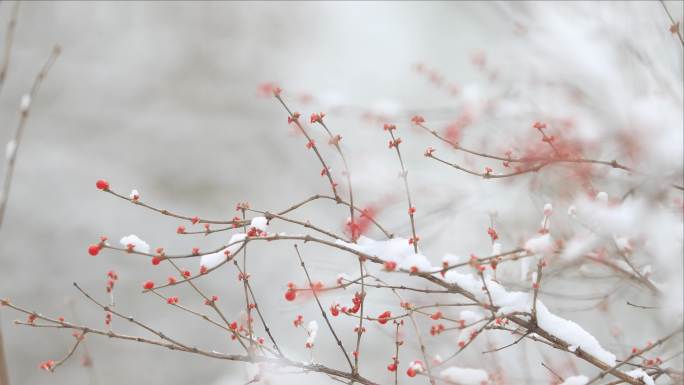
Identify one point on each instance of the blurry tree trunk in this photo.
(9, 37)
(4, 375)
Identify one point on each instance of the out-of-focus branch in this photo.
(635, 354)
(173, 344)
(9, 39)
(13, 145)
(534, 164)
(675, 27)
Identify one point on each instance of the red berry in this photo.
(93, 250)
(411, 372)
(290, 295)
(102, 184)
(148, 285)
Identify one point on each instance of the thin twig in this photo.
(323, 313)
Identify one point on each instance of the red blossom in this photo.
(539, 125)
(394, 143)
(317, 118)
(429, 151)
(47, 365)
(384, 317)
(492, 233)
(417, 120)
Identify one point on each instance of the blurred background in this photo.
(166, 98)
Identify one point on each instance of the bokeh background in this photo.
(164, 97)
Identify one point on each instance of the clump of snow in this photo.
(235, 243)
(470, 316)
(575, 380)
(417, 366)
(579, 246)
(212, 260)
(260, 223)
(465, 376)
(416, 261)
(138, 244)
(450, 260)
(541, 245)
(396, 250)
(10, 149)
(602, 197)
(25, 103)
(512, 301)
(135, 195)
(573, 334)
(640, 374)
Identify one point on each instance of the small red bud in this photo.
(93, 250)
(290, 295)
(102, 184)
